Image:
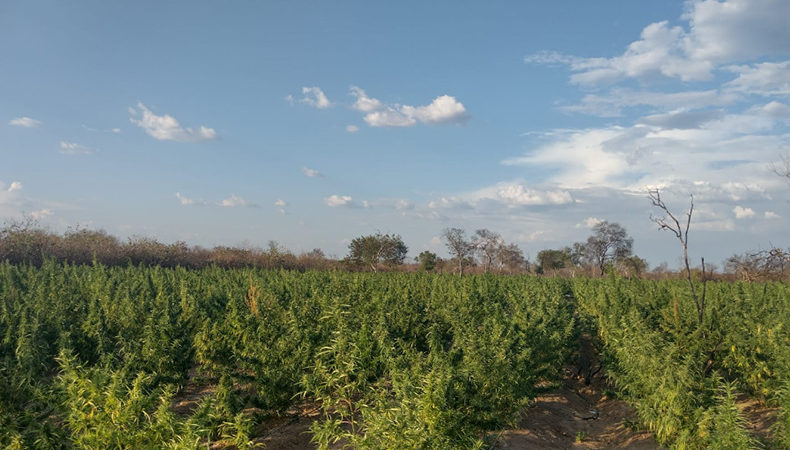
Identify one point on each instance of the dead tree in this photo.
(671, 223)
(782, 168)
(460, 248)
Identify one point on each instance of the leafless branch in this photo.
(671, 223)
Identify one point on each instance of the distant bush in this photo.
(26, 243)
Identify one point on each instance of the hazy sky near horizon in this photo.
(311, 123)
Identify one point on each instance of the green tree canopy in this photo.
(376, 249)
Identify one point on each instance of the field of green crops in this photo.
(93, 356)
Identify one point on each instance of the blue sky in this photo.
(311, 123)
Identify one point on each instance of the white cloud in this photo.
(398, 204)
(12, 203)
(505, 195)
(613, 102)
(388, 118)
(517, 194)
(583, 157)
(771, 215)
(72, 148)
(443, 109)
(235, 201)
(97, 130)
(402, 204)
(737, 29)
(167, 128)
(683, 119)
(334, 201)
(352, 128)
(663, 150)
(312, 173)
(589, 222)
(364, 103)
(766, 78)
(717, 32)
(312, 96)
(743, 213)
(41, 214)
(535, 236)
(280, 202)
(185, 200)
(25, 122)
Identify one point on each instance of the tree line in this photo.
(608, 248)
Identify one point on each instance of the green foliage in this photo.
(92, 356)
(549, 260)
(427, 261)
(670, 366)
(370, 251)
(112, 409)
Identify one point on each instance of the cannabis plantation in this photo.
(93, 356)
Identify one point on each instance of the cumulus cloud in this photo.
(167, 128)
(389, 117)
(716, 32)
(771, 215)
(25, 122)
(312, 173)
(363, 102)
(442, 110)
(334, 201)
(72, 148)
(743, 213)
(765, 79)
(312, 96)
(352, 128)
(661, 150)
(589, 222)
(507, 195)
(11, 200)
(235, 201)
(517, 194)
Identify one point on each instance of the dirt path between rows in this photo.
(578, 414)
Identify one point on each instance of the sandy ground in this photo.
(577, 416)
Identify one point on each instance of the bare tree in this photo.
(762, 265)
(511, 257)
(460, 248)
(486, 243)
(782, 168)
(671, 223)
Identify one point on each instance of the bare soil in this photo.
(577, 416)
(759, 418)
